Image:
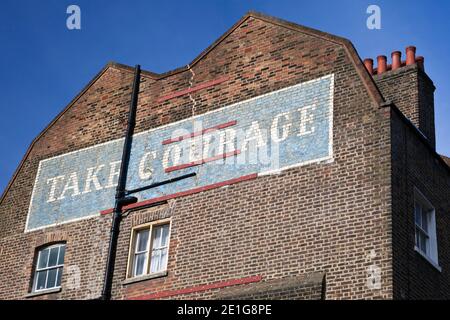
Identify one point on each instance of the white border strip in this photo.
(329, 158)
(299, 85)
(204, 114)
(63, 222)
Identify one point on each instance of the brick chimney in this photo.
(406, 84)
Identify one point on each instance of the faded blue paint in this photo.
(294, 150)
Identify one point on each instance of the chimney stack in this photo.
(413, 95)
(381, 68)
(396, 60)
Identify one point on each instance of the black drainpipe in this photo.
(121, 198)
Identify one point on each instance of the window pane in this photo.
(423, 243)
(53, 258)
(163, 259)
(157, 237)
(159, 256)
(155, 265)
(140, 264)
(160, 236)
(142, 240)
(425, 221)
(165, 235)
(43, 257)
(418, 214)
(51, 278)
(62, 251)
(58, 277)
(40, 280)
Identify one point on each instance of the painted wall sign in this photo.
(269, 133)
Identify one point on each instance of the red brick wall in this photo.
(412, 91)
(97, 116)
(414, 165)
(324, 217)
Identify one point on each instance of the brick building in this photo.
(346, 198)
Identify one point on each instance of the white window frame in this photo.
(132, 250)
(431, 253)
(59, 267)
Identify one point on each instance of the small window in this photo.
(49, 267)
(425, 224)
(149, 250)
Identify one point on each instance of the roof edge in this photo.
(367, 79)
(440, 158)
(110, 64)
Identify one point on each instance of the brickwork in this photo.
(305, 287)
(413, 93)
(331, 217)
(65, 190)
(414, 167)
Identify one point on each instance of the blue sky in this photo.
(43, 65)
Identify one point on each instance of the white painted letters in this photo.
(145, 168)
(71, 184)
(173, 152)
(113, 173)
(307, 120)
(54, 181)
(93, 179)
(253, 134)
(285, 128)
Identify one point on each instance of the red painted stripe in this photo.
(199, 133)
(193, 89)
(215, 285)
(185, 193)
(202, 161)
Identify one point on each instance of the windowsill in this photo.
(428, 259)
(43, 292)
(145, 278)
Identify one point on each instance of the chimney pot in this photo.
(410, 55)
(369, 65)
(381, 67)
(396, 60)
(420, 62)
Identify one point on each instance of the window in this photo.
(49, 267)
(149, 249)
(425, 224)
